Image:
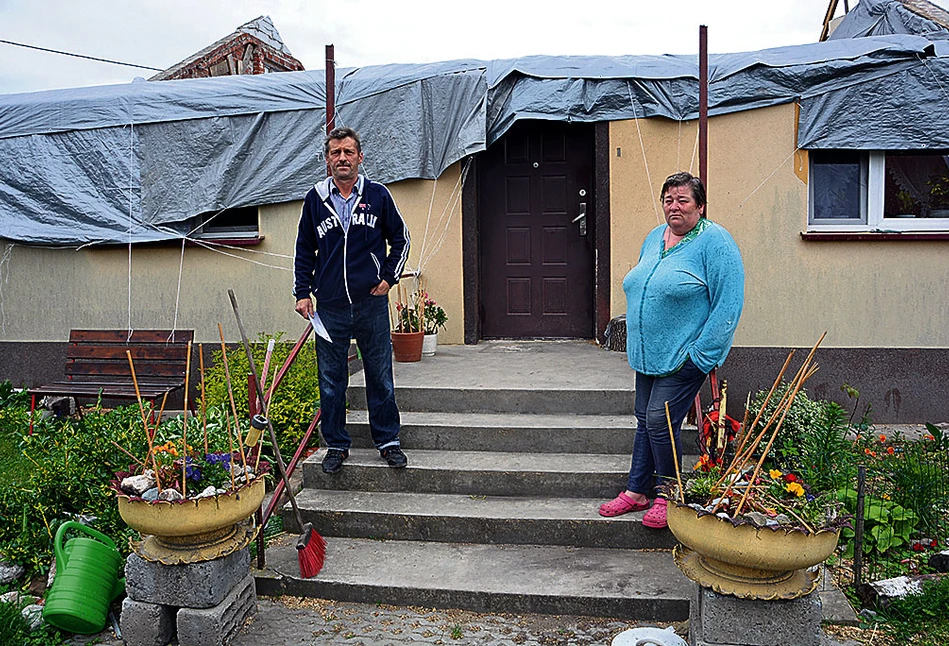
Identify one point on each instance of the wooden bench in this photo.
(97, 364)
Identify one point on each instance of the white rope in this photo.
(451, 204)
(181, 265)
(934, 75)
(695, 152)
(765, 180)
(679, 146)
(4, 260)
(428, 219)
(131, 189)
(642, 146)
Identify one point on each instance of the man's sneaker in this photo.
(394, 456)
(333, 460)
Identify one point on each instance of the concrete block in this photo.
(724, 620)
(147, 624)
(216, 626)
(195, 585)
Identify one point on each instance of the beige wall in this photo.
(886, 294)
(46, 292)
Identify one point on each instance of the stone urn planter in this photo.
(195, 529)
(747, 561)
(407, 346)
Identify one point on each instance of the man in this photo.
(342, 260)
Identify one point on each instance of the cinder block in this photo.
(195, 585)
(724, 620)
(216, 626)
(147, 624)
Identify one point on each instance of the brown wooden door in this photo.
(537, 270)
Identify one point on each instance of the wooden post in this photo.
(703, 105)
(330, 88)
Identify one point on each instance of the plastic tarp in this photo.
(883, 18)
(139, 161)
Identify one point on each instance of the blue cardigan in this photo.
(685, 305)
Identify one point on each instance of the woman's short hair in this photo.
(685, 179)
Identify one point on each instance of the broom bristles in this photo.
(311, 551)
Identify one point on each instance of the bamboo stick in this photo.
(184, 427)
(204, 398)
(675, 457)
(141, 408)
(230, 394)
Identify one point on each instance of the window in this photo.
(878, 191)
(239, 223)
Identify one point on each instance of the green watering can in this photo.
(87, 581)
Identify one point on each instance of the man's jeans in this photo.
(368, 322)
(652, 462)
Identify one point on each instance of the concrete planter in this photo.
(193, 530)
(429, 345)
(747, 561)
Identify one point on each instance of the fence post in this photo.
(858, 527)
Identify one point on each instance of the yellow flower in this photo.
(775, 474)
(885, 496)
(795, 488)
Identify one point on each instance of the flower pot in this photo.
(429, 343)
(744, 560)
(193, 530)
(407, 346)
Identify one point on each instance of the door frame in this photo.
(471, 236)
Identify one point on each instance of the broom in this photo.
(311, 548)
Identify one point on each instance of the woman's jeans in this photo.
(652, 461)
(367, 321)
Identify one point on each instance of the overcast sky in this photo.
(372, 32)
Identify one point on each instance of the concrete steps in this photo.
(498, 508)
(488, 578)
(459, 518)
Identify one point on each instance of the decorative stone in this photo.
(756, 517)
(33, 614)
(137, 485)
(10, 573)
(195, 585)
(207, 493)
(712, 620)
(217, 625)
(151, 494)
(17, 597)
(170, 495)
(147, 624)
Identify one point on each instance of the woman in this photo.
(683, 300)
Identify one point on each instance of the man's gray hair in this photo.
(338, 134)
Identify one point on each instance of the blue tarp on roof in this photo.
(137, 161)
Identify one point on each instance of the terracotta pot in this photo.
(429, 345)
(407, 346)
(747, 561)
(194, 530)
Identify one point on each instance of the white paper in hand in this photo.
(319, 328)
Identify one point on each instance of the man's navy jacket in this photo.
(341, 267)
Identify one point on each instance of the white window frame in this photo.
(876, 223)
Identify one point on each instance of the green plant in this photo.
(62, 471)
(919, 480)
(435, 317)
(824, 454)
(922, 618)
(887, 524)
(295, 401)
(803, 415)
(14, 629)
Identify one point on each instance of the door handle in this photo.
(582, 219)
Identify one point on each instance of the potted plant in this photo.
(408, 331)
(752, 529)
(192, 503)
(435, 320)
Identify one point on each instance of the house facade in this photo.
(525, 214)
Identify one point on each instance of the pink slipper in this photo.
(656, 516)
(622, 504)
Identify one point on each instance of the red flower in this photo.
(883, 438)
(934, 544)
(889, 450)
(790, 477)
(869, 452)
(918, 547)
